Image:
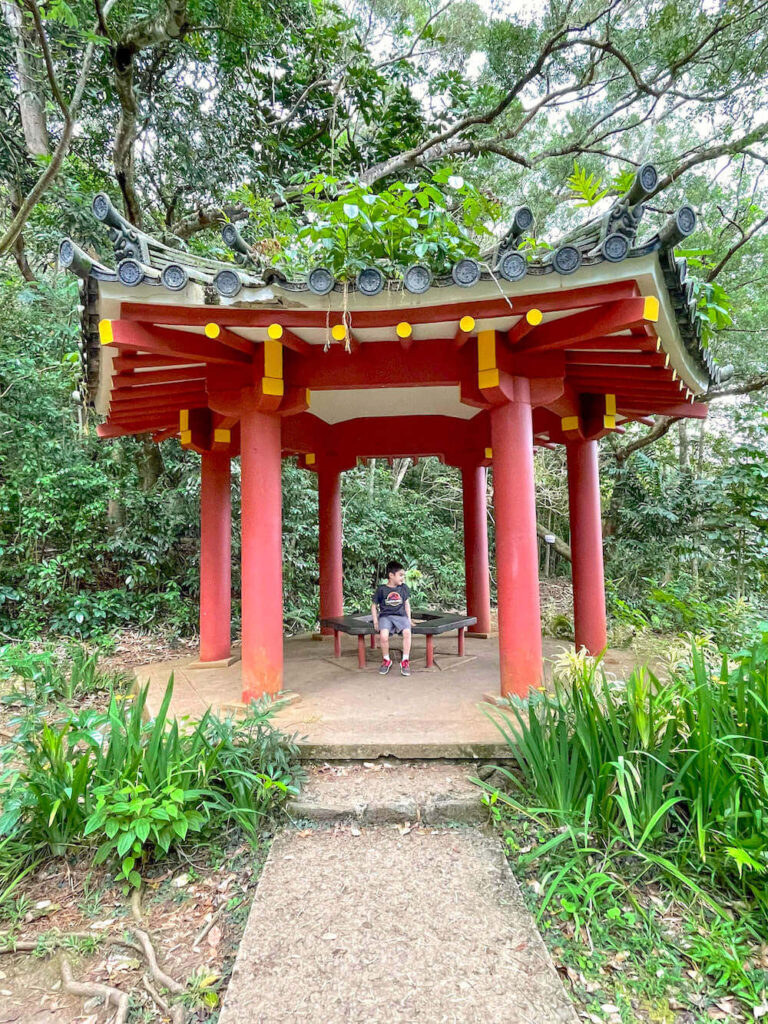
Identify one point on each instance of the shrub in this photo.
(672, 772)
(137, 788)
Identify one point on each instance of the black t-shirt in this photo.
(391, 600)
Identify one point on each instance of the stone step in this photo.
(384, 792)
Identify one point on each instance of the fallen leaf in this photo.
(180, 881)
(214, 936)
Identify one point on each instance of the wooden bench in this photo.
(426, 623)
(360, 625)
(432, 624)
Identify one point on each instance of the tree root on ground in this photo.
(92, 988)
(176, 1013)
(115, 996)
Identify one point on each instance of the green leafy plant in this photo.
(138, 824)
(349, 225)
(586, 187)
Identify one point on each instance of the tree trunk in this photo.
(684, 451)
(123, 152)
(149, 464)
(31, 77)
(399, 468)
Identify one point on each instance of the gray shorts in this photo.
(394, 623)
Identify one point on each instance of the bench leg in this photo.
(361, 651)
(430, 650)
(336, 643)
(461, 642)
(373, 641)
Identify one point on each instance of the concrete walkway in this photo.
(391, 923)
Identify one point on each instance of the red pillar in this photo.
(517, 569)
(329, 514)
(478, 582)
(215, 557)
(586, 546)
(262, 570)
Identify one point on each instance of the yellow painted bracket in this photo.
(609, 420)
(487, 370)
(272, 382)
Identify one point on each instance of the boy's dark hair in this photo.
(392, 567)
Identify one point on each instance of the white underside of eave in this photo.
(338, 406)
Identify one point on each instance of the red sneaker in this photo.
(385, 666)
(405, 667)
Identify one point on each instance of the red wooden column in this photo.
(329, 555)
(262, 570)
(215, 557)
(478, 581)
(586, 546)
(517, 569)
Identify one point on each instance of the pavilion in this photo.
(478, 367)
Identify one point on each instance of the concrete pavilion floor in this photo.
(343, 712)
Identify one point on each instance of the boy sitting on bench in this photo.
(391, 612)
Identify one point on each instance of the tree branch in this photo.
(70, 111)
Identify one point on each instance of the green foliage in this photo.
(350, 225)
(138, 823)
(138, 788)
(714, 306)
(586, 187)
(45, 674)
(672, 774)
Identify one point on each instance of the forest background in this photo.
(190, 113)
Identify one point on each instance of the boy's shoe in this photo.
(385, 666)
(405, 667)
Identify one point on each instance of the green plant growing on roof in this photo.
(349, 226)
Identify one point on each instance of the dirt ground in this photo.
(181, 897)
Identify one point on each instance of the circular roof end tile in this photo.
(686, 220)
(228, 283)
(370, 281)
(174, 277)
(615, 248)
(512, 266)
(417, 279)
(567, 259)
(523, 219)
(648, 177)
(130, 272)
(320, 281)
(466, 272)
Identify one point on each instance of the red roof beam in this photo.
(525, 325)
(233, 316)
(138, 361)
(164, 342)
(649, 359)
(616, 343)
(276, 332)
(464, 332)
(126, 407)
(159, 391)
(154, 377)
(590, 323)
(163, 435)
(108, 430)
(218, 333)
(628, 405)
